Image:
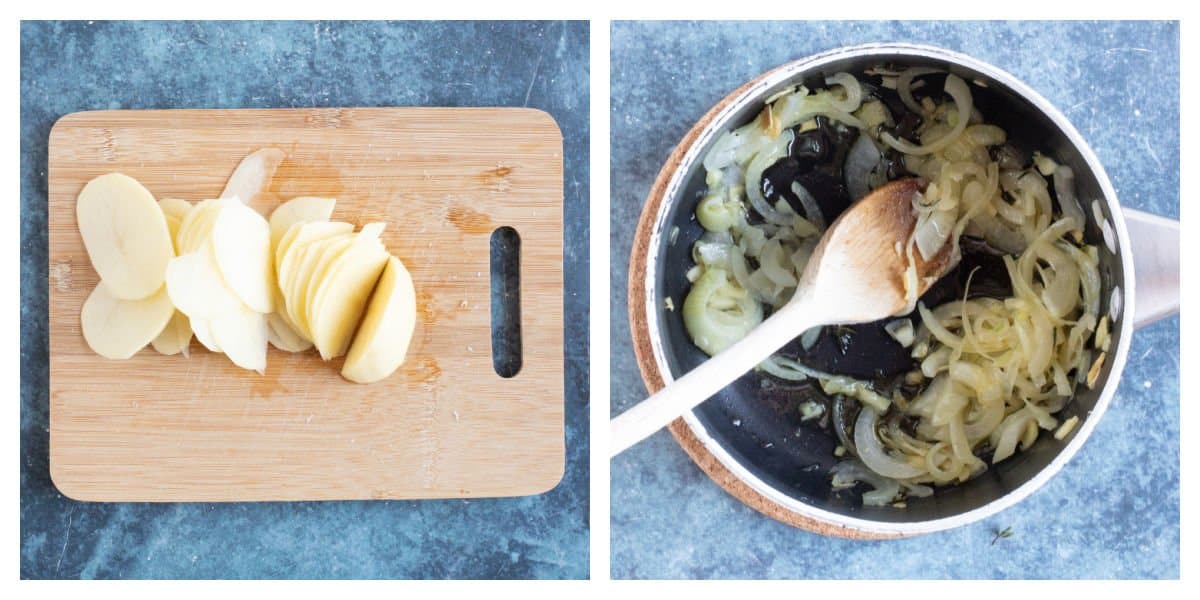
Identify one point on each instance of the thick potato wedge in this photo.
(382, 341)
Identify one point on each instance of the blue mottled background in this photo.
(1113, 512)
(67, 67)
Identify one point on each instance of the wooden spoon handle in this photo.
(685, 393)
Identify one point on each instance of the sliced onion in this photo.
(723, 151)
(872, 453)
(812, 212)
(1061, 293)
(861, 161)
(917, 491)
(997, 233)
(933, 231)
(783, 368)
(849, 473)
(713, 325)
(808, 339)
(802, 255)
(1064, 188)
(754, 171)
(901, 330)
(1005, 438)
(772, 263)
(904, 86)
(957, 88)
(798, 108)
(853, 91)
(741, 271)
(711, 254)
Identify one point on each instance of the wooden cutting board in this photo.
(170, 428)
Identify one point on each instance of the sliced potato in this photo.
(282, 335)
(241, 242)
(286, 222)
(203, 330)
(175, 210)
(281, 332)
(253, 176)
(197, 226)
(125, 234)
(195, 286)
(173, 229)
(175, 337)
(320, 288)
(305, 209)
(242, 336)
(372, 230)
(309, 259)
(297, 237)
(334, 259)
(334, 321)
(281, 247)
(382, 341)
(117, 328)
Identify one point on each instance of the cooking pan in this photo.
(750, 438)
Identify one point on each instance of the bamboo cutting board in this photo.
(170, 428)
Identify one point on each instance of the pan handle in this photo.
(1155, 242)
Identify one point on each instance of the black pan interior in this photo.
(757, 419)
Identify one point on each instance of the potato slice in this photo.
(335, 259)
(252, 176)
(195, 286)
(241, 242)
(281, 332)
(297, 237)
(242, 336)
(173, 230)
(125, 234)
(175, 337)
(117, 328)
(203, 330)
(382, 341)
(318, 289)
(335, 320)
(282, 335)
(372, 230)
(197, 226)
(305, 209)
(311, 258)
(175, 210)
(281, 247)
(285, 223)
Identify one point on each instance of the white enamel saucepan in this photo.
(748, 437)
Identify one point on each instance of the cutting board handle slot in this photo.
(506, 301)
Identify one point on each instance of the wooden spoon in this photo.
(855, 275)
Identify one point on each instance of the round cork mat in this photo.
(643, 348)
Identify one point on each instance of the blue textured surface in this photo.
(67, 67)
(1113, 512)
